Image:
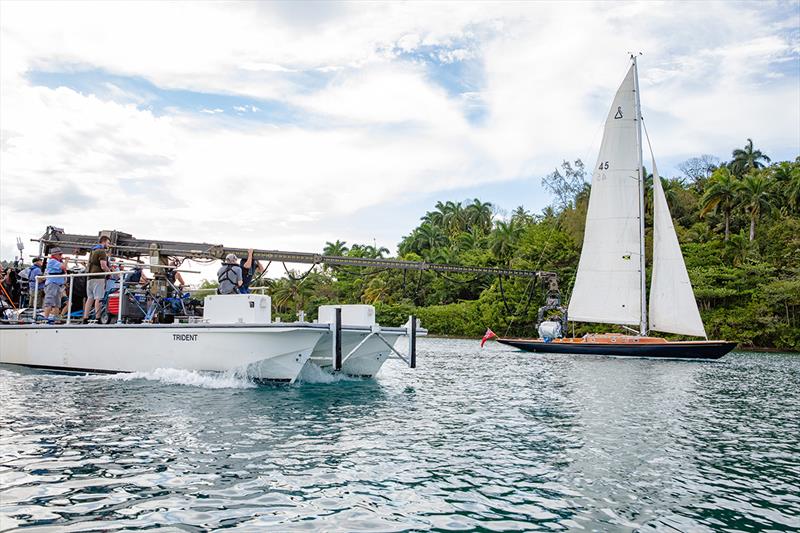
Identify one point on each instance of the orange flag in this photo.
(488, 335)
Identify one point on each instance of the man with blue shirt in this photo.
(54, 287)
(35, 270)
(249, 269)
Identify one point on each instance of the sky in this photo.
(283, 125)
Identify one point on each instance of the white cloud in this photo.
(378, 128)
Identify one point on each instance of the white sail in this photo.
(608, 283)
(673, 308)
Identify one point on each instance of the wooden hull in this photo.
(652, 348)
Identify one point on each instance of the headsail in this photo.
(608, 283)
(673, 308)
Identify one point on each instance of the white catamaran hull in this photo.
(366, 360)
(261, 352)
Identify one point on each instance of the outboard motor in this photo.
(550, 330)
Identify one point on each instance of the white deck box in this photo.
(352, 315)
(237, 309)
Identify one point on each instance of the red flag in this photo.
(488, 335)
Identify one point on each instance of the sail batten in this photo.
(608, 282)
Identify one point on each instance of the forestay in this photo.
(608, 283)
(673, 308)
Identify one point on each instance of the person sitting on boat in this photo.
(96, 285)
(136, 276)
(249, 269)
(174, 276)
(54, 287)
(229, 275)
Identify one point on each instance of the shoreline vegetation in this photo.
(738, 223)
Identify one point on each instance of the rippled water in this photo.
(494, 439)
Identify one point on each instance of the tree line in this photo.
(738, 222)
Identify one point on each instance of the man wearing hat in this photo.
(35, 270)
(54, 287)
(229, 275)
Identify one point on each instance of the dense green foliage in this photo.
(738, 222)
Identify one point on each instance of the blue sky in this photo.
(285, 125)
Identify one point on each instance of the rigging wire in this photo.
(464, 282)
(302, 278)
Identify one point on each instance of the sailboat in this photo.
(610, 285)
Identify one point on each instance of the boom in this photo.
(125, 245)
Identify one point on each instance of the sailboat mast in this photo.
(643, 323)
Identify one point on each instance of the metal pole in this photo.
(121, 299)
(69, 303)
(638, 119)
(337, 339)
(413, 342)
(35, 298)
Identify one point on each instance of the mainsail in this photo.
(673, 308)
(608, 286)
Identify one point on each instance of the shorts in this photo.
(96, 289)
(52, 295)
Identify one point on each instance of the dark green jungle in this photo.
(738, 223)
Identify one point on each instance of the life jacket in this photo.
(225, 275)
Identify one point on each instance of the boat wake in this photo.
(191, 378)
(312, 373)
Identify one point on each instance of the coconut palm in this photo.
(521, 215)
(793, 189)
(504, 239)
(479, 215)
(720, 195)
(337, 248)
(787, 181)
(747, 159)
(755, 197)
(377, 291)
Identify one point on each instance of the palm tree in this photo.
(755, 196)
(504, 239)
(787, 180)
(377, 291)
(672, 188)
(793, 189)
(747, 159)
(456, 218)
(720, 195)
(738, 249)
(337, 248)
(521, 215)
(479, 215)
(373, 252)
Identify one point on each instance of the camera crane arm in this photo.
(125, 245)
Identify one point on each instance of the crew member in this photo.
(229, 275)
(54, 287)
(136, 276)
(33, 272)
(249, 269)
(96, 285)
(173, 275)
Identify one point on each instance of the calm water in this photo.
(493, 439)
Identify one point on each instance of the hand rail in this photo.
(120, 273)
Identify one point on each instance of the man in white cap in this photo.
(229, 275)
